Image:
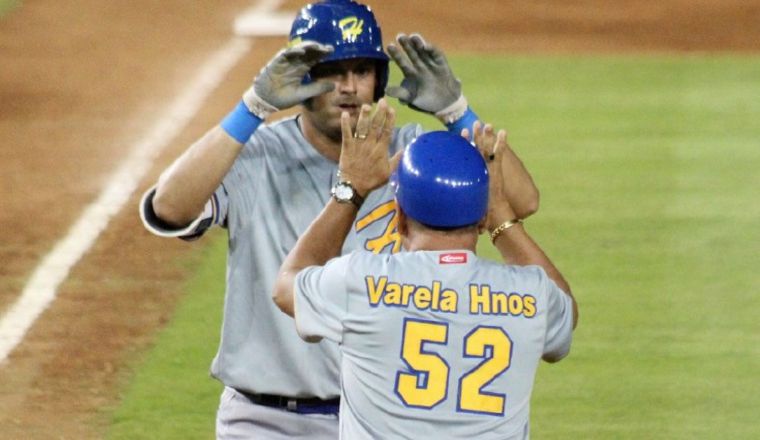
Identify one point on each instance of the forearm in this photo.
(519, 188)
(187, 184)
(322, 241)
(517, 247)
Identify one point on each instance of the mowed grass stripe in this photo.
(171, 395)
(647, 170)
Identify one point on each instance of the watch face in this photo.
(343, 192)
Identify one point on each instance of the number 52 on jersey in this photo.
(426, 383)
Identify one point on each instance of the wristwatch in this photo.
(344, 192)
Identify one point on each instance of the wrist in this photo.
(345, 192)
(356, 183)
(453, 112)
(503, 228)
(240, 123)
(498, 215)
(257, 105)
(458, 116)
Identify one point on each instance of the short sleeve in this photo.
(321, 300)
(559, 319)
(214, 213)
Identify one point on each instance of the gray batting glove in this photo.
(279, 84)
(429, 84)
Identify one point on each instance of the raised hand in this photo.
(364, 154)
(493, 146)
(429, 84)
(279, 84)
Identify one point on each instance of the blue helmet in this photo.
(350, 28)
(442, 181)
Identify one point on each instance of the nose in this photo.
(347, 82)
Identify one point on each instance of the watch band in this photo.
(355, 198)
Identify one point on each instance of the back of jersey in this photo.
(445, 344)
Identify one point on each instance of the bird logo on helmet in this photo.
(350, 28)
(442, 181)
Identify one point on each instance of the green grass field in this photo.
(647, 168)
(7, 5)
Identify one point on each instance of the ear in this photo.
(403, 221)
(482, 226)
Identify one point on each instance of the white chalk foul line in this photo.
(41, 289)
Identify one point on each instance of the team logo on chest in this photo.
(389, 236)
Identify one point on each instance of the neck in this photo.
(433, 240)
(326, 145)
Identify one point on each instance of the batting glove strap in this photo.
(453, 112)
(257, 105)
(458, 116)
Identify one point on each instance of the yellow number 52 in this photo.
(425, 385)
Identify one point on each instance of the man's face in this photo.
(354, 85)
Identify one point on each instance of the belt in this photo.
(300, 406)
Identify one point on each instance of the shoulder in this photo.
(363, 258)
(404, 135)
(273, 137)
(532, 276)
(360, 263)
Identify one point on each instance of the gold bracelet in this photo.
(503, 227)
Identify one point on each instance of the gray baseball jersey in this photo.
(275, 189)
(435, 344)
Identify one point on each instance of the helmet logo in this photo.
(352, 27)
(294, 42)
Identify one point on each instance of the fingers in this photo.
(401, 59)
(363, 123)
(411, 47)
(428, 54)
(401, 93)
(306, 91)
(465, 133)
(436, 58)
(395, 160)
(307, 52)
(489, 139)
(379, 126)
(486, 140)
(422, 49)
(418, 41)
(477, 136)
(386, 130)
(345, 127)
(364, 156)
(315, 52)
(379, 118)
(501, 143)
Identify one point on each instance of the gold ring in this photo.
(361, 136)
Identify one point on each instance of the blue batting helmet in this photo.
(442, 181)
(350, 28)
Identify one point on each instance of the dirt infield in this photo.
(81, 80)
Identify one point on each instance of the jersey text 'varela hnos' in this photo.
(436, 297)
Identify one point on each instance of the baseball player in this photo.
(436, 342)
(266, 182)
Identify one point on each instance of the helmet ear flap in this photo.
(382, 72)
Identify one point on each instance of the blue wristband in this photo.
(240, 123)
(468, 118)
